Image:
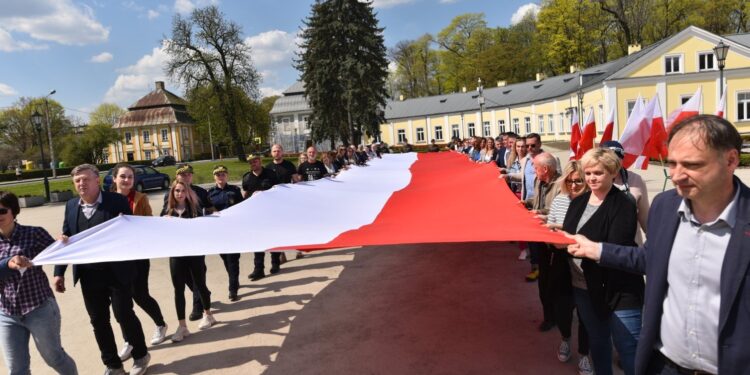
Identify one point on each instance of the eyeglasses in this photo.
(4, 211)
(574, 182)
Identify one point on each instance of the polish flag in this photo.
(656, 146)
(636, 133)
(609, 128)
(399, 199)
(575, 136)
(722, 104)
(691, 108)
(588, 135)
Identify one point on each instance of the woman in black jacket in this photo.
(183, 203)
(609, 301)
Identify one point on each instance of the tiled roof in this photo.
(290, 103)
(159, 107)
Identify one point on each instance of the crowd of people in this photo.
(690, 316)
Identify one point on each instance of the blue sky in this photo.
(96, 51)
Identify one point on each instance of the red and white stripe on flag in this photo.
(691, 108)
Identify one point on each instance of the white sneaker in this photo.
(584, 366)
(524, 254)
(160, 334)
(125, 352)
(207, 322)
(140, 365)
(563, 353)
(180, 334)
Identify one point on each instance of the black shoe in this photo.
(195, 315)
(275, 269)
(256, 275)
(546, 326)
(233, 297)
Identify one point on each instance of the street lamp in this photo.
(720, 51)
(36, 120)
(480, 99)
(49, 135)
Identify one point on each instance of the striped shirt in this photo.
(558, 209)
(21, 294)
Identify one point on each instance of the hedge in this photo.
(38, 173)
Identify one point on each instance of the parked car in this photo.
(163, 160)
(145, 178)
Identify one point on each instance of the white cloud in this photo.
(59, 21)
(8, 44)
(102, 58)
(270, 91)
(273, 48)
(6, 90)
(138, 79)
(187, 6)
(152, 14)
(522, 11)
(389, 3)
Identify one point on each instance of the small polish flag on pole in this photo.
(722, 104)
(575, 136)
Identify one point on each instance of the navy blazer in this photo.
(113, 204)
(500, 157)
(653, 260)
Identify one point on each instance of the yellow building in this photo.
(157, 124)
(674, 68)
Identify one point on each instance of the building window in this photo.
(527, 124)
(165, 151)
(705, 61)
(486, 129)
(420, 135)
(306, 120)
(541, 124)
(128, 138)
(130, 156)
(164, 135)
(501, 126)
(146, 136)
(631, 105)
(285, 124)
(401, 136)
(743, 106)
(684, 98)
(471, 129)
(562, 122)
(439, 133)
(673, 64)
(148, 155)
(516, 127)
(185, 134)
(455, 131)
(551, 121)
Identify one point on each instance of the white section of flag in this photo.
(285, 216)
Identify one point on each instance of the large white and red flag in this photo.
(722, 108)
(587, 135)
(575, 136)
(636, 133)
(609, 127)
(690, 108)
(656, 146)
(399, 199)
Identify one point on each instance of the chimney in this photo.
(160, 85)
(401, 98)
(573, 68)
(501, 83)
(633, 48)
(540, 77)
(463, 89)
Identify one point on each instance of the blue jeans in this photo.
(600, 338)
(626, 328)
(43, 325)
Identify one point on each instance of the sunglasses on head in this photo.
(4, 210)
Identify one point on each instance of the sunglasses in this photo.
(4, 211)
(574, 182)
(532, 145)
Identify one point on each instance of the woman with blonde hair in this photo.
(183, 203)
(123, 178)
(487, 154)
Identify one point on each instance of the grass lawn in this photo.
(202, 174)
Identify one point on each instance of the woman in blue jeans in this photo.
(27, 306)
(609, 301)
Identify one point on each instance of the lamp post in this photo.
(210, 133)
(480, 99)
(36, 120)
(720, 51)
(53, 162)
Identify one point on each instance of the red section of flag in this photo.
(588, 135)
(575, 136)
(432, 209)
(722, 104)
(609, 128)
(689, 109)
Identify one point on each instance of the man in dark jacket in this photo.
(103, 284)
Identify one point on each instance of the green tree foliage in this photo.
(344, 67)
(207, 50)
(106, 113)
(416, 67)
(17, 131)
(462, 43)
(90, 146)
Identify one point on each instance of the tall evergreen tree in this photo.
(343, 64)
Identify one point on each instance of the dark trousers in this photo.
(544, 282)
(232, 265)
(260, 259)
(564, 306)
(660, 365)
(101, 289)
(141, 295)
(192, 270)
(197, 305)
